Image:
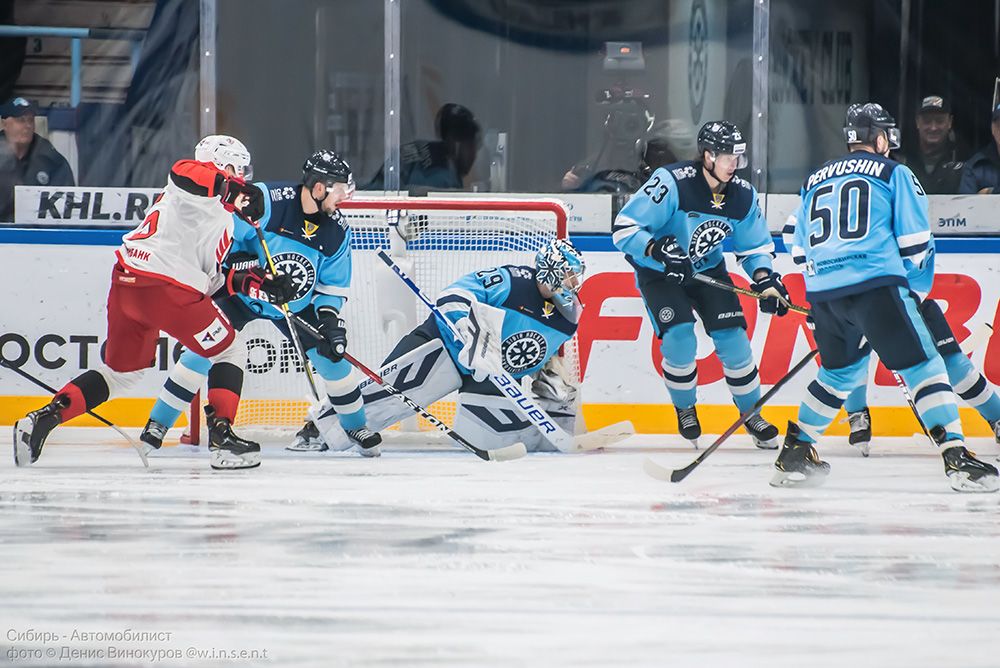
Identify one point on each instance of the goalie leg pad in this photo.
(424, 372)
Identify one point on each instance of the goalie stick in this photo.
(503, 381)
(52, 390)
(662, 473)
(506, 453)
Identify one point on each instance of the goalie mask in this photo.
(224, 151)
(560, 267)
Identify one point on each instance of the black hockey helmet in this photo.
(326, 167)
(864, 123)
(723, 137)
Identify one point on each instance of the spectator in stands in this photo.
(26, 159)
(982, 172)
(935, 159)
(441, 164)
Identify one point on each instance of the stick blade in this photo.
(605, 436)
(507, 453)
(654, 470)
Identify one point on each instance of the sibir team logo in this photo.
(301, 270)
(42, 178)
(666, 314)
(523, 350)
(707, 236)
(697, 58)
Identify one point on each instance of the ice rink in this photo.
(429, 556)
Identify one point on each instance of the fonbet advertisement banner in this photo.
(55, 326)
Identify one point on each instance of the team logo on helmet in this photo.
(707, 236)
(523, 350)
(301, 270)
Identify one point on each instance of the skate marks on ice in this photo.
(434, 559)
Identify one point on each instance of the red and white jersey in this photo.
(186, 233)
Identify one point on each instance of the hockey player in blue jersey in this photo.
(968, 383)
(514, 318)
(861, 224)
(673, 227)
(309, 240)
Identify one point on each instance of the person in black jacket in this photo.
(982, 172)
(26, 159)
(935, 159)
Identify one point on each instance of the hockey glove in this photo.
(258, 284)
(775, 299)
(676, 263)
(246, 198)
(334, 331)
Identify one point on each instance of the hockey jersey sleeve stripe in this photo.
(766, 249)
(456, 296)
(333, 290)
(197, 178)
(798, 254)
(910, 251)
(623, 229)
(921, 238)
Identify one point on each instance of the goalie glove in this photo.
(480, 335)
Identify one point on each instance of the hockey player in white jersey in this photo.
(309, 236)
(513, 318)
(165, 271)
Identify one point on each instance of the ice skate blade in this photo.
(694, 443)
(863, 448)
(374, 451)
(796, 479)
(960, 482)
(307, 447)
(765, 445)
(229, 462)
(22, 451)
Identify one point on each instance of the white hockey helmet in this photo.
(223, 150)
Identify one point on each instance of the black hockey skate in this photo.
(368, 441)
(152, 435)
(31, 431)
(229, 451)
(688, 425)
(308, 440)
(763, 434)
(798, 464)
(964, 471)
(861, 430)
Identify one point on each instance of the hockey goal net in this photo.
(435, 241)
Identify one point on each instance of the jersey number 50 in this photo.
(850, 205)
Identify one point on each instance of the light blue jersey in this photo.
(861, 216)
(676, 200)
(317, 254)
(533, 328)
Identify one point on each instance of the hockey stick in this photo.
(662, 473)
(722, 285)
(506, 453)
(52, 390)
(504, 382)
(284, 307)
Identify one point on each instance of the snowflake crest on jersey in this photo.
(560, 267)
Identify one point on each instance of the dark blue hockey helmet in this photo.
(865, 121)
(723, 137)
(326, 167)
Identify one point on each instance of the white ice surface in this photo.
(433, 557)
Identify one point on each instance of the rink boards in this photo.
(54, 323)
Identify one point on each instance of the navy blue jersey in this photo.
(316, 253)
(533, 328)
(862, 223)
(677, 200)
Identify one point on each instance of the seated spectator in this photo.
(935, 159)
(441, 164)
(26, 159)
(982, 171)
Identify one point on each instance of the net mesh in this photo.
(435, 242)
